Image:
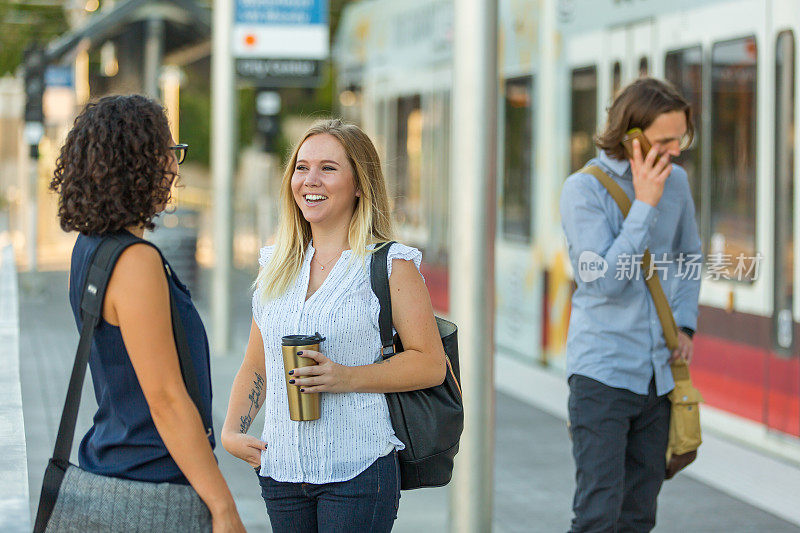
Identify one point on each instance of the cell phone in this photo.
(644, 144)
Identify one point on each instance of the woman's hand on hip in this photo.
(243, 446)
(325, 376)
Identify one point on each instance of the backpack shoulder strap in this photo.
(379, 280)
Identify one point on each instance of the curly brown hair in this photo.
(113, 171)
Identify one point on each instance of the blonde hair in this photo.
(371, 221)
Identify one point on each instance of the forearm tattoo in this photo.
(255, 403)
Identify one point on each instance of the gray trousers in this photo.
(619, 442)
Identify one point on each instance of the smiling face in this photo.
(667, 132)
(323, 182)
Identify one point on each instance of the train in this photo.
(558, 71)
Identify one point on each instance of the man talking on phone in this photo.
(617, 360)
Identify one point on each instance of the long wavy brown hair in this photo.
(113, 171)
(637, 106)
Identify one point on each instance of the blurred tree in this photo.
(23, 23)
(195, 113)
(195, 117)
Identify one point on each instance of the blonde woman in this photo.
(338, 473)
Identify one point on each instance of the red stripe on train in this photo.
(733, 376)
(750, 382)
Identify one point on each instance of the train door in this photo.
(782, 399)
(583, 57)
(519, 287)
(582, 63)
(746, 360)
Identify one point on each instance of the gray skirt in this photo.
(91, 503)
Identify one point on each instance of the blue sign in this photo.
(59, 77)
(281, 12)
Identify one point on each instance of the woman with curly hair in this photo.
(340, 472)
(115, 174)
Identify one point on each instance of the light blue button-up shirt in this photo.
(615, 336)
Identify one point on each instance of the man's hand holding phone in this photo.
(649, 173)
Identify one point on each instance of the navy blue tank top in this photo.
(123, 441)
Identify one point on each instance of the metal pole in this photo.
(33, 133)
(473, 183)
(33, 208)
(549, 144)
(35, 65)
(223, 132)
(153, 55)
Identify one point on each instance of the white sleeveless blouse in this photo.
(354, 428)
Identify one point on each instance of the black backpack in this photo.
(428, 421)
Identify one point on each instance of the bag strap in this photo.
(653, 284)
(379, 279)
(92, 295)
(101, 267)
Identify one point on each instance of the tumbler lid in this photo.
(302, 340)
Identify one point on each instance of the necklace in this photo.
(323, 265)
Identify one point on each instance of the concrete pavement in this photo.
(13, 465)
(533, 465)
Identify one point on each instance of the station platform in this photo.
(534, 473)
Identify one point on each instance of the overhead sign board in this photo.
(576, 16)
(281, 42)
(280, 72)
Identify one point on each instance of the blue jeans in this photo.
(366, 503)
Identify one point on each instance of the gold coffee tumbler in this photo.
(302, 406)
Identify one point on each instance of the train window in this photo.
(583, 122)
(616, 79)
(408, 154)
(733, 158)
(644, 67)
(684, 69)
(436, 182)
(784, 188)
(518, 159)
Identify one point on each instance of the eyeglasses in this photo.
(684, 142)
(180, 152)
